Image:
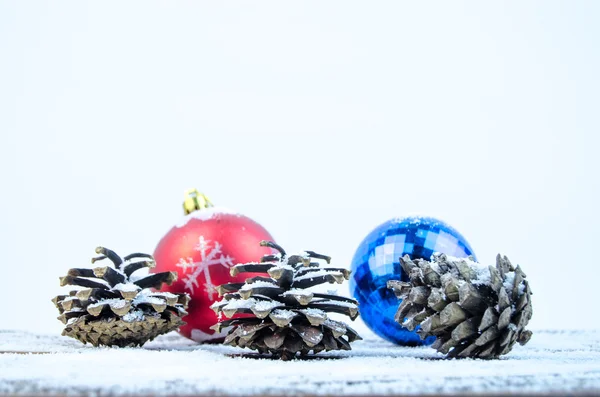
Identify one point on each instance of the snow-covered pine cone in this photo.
(115, 308)
(287, 318)
(472, 309)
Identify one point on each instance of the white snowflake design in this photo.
(208, 259)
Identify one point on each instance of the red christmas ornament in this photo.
(201, 249)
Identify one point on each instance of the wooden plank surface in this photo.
(553, 363)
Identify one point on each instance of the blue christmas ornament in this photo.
(377, 260)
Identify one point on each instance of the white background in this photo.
(320, 120)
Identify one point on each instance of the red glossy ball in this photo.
(202, 249)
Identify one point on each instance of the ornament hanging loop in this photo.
(195, 201)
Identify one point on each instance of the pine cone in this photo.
(116, 309)
(472, 309)
(286, 317)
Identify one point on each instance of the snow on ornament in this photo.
(202, 248)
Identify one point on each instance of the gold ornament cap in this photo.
(195, 201)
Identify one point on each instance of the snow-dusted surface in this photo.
(553, 362)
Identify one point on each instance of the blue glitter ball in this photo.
(377, 260)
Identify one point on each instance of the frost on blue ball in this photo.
(377, 260)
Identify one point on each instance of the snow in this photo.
(315, 274)
(553, 362)
(258, 284)
(265, 305)
(145, 297)
(297, 292)
(237, 304)
(284, 265)
(336, 325)
(165, 294)
(136, 315)
(314, 312)
(252, 304)
(509, 282)
(117, 303)
(482, 272)
(336, 303)
(205, 214)
(283, 314)
(128, 287)
(284, 262)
